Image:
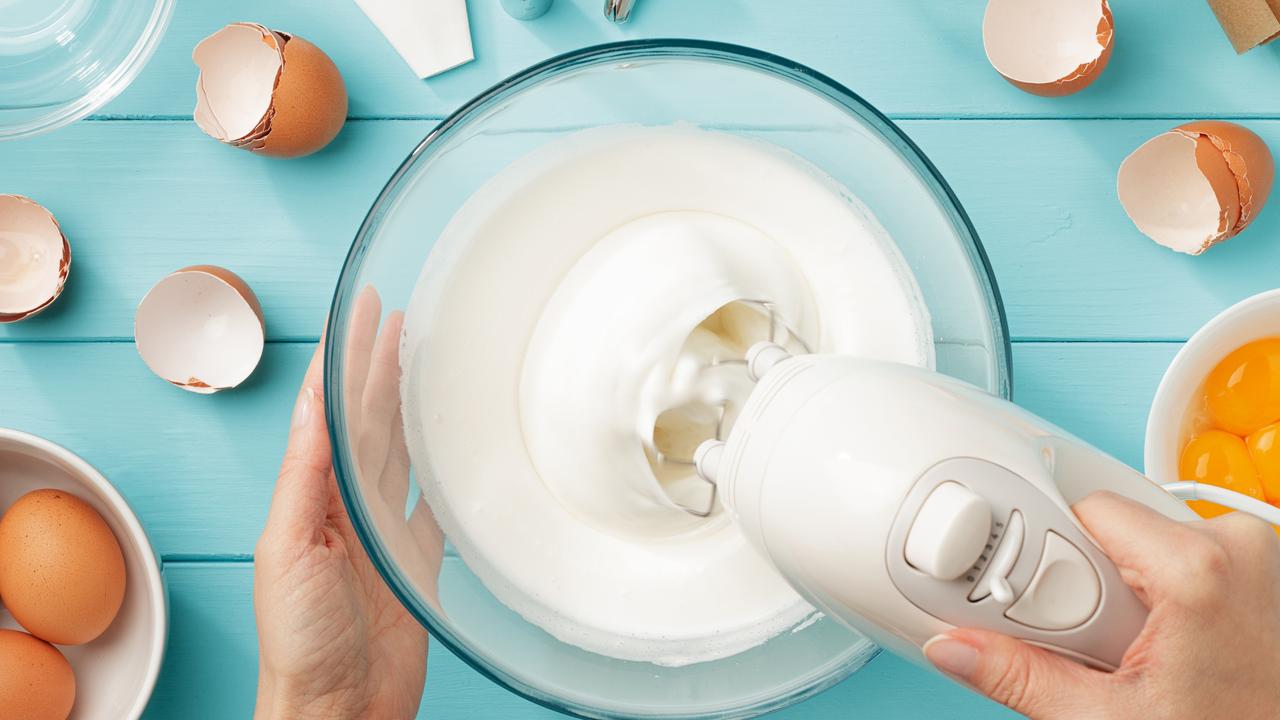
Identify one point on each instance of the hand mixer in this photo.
(903, 503)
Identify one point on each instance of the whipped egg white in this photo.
(575, 299)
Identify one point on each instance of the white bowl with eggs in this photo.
(1173, 416)
(116, 672)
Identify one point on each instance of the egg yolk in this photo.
(1219, 458)
(1264, 451)
(1243, 392)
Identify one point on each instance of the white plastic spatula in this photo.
(431, 35)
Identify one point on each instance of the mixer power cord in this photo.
(1188, 490)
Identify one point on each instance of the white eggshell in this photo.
(201, 328)
(1048, 47)
(35, 258)
(1167, 195)
(268, 92)
(239, 67)
(1196, 185)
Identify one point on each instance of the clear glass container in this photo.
(658, 82)
(62, 59)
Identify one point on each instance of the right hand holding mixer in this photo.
(903, 503)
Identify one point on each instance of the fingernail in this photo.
(302, 410)
(952, 657)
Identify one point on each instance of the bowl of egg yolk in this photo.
(1216, 414)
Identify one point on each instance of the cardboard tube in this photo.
(1248, 23)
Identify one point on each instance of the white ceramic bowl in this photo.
(116, 673)
(1169, 424)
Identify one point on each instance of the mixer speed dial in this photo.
(950, 532)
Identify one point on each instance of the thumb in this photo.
(301, 498)
(1028, 679)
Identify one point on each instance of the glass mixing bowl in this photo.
(728, 88)
(62, 59)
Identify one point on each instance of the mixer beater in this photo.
(678, 432)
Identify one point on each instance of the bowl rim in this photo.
(153, 569)
(655, 48)
(120, 77)
(1163, 403)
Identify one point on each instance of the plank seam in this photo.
(941, 117)
(206, 559)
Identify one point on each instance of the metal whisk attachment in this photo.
(777, 331)
(663, 459)
(618, 11)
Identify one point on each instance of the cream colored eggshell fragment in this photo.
(239, 67)
(1196, 185)
(268, 92)
(201, 328)
(35, 258)
(1167, 196)
(1048, 47)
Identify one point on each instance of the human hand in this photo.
(1210, 647)
(334, 642)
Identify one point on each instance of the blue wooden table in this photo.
(1095, 309)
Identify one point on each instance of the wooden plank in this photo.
(199, 470)
(140, 199)
(211, 662)
(1101, 391)
(213, 637)
(909, 58)
(1069, 262)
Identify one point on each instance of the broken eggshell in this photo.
(268, 92)
(1048, 47)
(35, 258)
(201, 328)
(1196, 185)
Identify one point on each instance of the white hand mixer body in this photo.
(903, 503)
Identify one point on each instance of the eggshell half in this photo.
(201, 328)
(62, 573)
(268, 92)
(35, 258)
(1196, 185)
(36, 681)
(239, 66)
(310, 102)
(1048, 47)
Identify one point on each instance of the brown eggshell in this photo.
(267, 91)
(239, 68)
(1197, 184)
(1215, 169)
(1249, 162)
(171, 329)
(1000, 31)
(310, 102)
(62, 574)
(28, 219)
(36, 682)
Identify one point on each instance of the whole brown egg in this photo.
(62, 574)
(36, 682)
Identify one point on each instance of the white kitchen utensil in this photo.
(431, 35)
(904, 503)
(618, 11)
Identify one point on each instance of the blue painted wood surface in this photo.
(1096, 310)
